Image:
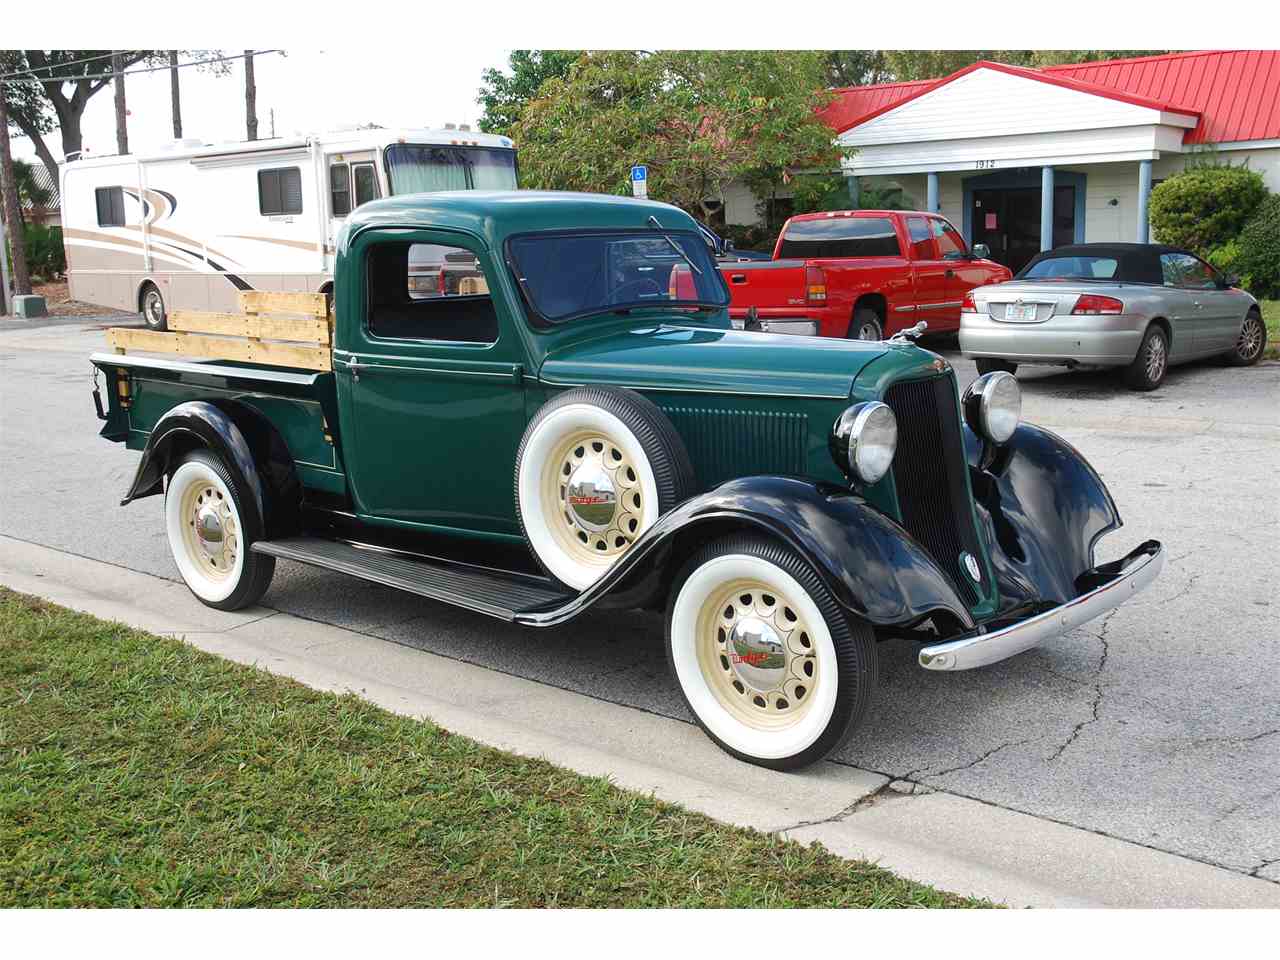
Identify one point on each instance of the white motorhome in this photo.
(189, 226)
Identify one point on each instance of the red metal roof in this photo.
(1235, 92)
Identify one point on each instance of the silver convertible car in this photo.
(1138, 306)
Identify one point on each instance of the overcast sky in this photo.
(310, 90)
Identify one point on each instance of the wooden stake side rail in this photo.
(301, 339)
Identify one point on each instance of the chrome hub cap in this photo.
(757, 655)
(1250, 341)
(211, 537)
(1156, 358)
(596, 492)
(153, 308)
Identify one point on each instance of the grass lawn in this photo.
(1271, 316)
(138, 771)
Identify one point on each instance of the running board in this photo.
(500, 595)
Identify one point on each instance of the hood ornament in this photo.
(910, 333)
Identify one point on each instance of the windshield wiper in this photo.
(675, 246)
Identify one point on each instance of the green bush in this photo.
(1258, 262)
(45, 255)
(1205, 206)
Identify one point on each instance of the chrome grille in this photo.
(929, 474)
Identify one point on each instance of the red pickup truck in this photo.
(863, 274)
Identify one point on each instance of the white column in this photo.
(1144, 197)
(931, 202)
(852, 184)
(1046, 208)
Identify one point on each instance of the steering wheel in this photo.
(641, 287)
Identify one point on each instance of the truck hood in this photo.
(661, 356)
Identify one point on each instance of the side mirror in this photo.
(1229, 281)
(729, 245)
(982, 251)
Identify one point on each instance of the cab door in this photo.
(962, 272)
(929, 272)
(430, 384)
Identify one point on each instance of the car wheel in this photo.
(1148, 368)
(866, 325)
(596, 468)
(767, 661)
(1251, 342)
(211, 522)
(987, 365)
(154, 314)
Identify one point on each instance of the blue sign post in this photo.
(640, 181)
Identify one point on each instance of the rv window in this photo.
(366, 182)
(340, 189)
(280, 191)
(425, 291)
(110, 206)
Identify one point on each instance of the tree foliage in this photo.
(504, 94)
(928, 64)
(698, 119)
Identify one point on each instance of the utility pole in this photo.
(174, 96)
(273, 123)
(122, 131)
(12, 215)
(250, 98)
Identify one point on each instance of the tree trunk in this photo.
(42, 148)
(250, 98)
(12, 211)
(122, 130)
(174, 95)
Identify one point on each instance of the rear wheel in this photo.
(1251, 342)
(987, 365)
(1148, 368)
(768, 663)
(866, 325)
(212, 522)
(154, 314)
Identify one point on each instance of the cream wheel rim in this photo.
(757, 654)
(593, 498)
(210, 533)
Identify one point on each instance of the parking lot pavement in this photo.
(1157, 725)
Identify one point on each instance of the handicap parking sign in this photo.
(640, 181)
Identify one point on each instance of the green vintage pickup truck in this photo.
(574, 423)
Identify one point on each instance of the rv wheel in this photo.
(153, 310)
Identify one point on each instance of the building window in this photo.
(280, 192)
(110, 206)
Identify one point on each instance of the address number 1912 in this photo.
(984, 164)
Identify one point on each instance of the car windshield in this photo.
(1074, 267)
(565, 276)
(419, 168)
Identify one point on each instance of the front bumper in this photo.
(1105, 340)
(1123, 578)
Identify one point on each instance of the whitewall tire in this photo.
(596, 469)
(211, 525)
(768, 663)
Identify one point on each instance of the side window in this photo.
(280, 192)
(921, 239)
(427, 291)
(951, 245)
(340, 189)
(1184, 270)
(110, 206)
(366, 182)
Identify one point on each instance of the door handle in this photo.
(353, 368)
(951, 273)
(738, 278)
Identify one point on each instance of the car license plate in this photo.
(1020, 311)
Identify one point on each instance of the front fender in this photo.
(1043, 507)
(875, 569)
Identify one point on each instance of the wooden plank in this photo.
(221, 348)
(472, 285)
(269, 301)
(304, 329)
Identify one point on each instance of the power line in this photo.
(106, 76)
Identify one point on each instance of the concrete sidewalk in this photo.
(943, 839)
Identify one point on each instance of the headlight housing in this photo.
(864, 440)
(993, 406)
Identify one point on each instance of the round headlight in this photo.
(864, 439)
(993, 406)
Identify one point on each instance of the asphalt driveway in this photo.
(1157, 724)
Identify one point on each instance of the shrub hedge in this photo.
(1205, 207)
(1258, 258)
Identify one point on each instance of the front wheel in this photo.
(768, 663)
(987, 365)
(212, 523)
(1251, 342)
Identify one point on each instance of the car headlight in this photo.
(864, 439)
(993, 406)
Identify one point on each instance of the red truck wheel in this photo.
(866, 325)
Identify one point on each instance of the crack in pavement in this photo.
(1257, 871)
(978, 760)
(1098, 688)
(878, 795)
(1205, 741)
(1236, 807)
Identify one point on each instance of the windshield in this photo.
(567, 276)
(1076, 267)
(416, 168)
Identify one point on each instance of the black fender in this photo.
(875, 569)
(245, 439)
(1042, 507)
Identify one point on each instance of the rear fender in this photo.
(246, 441)
(874, 568)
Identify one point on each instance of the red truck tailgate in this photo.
(775, 288)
